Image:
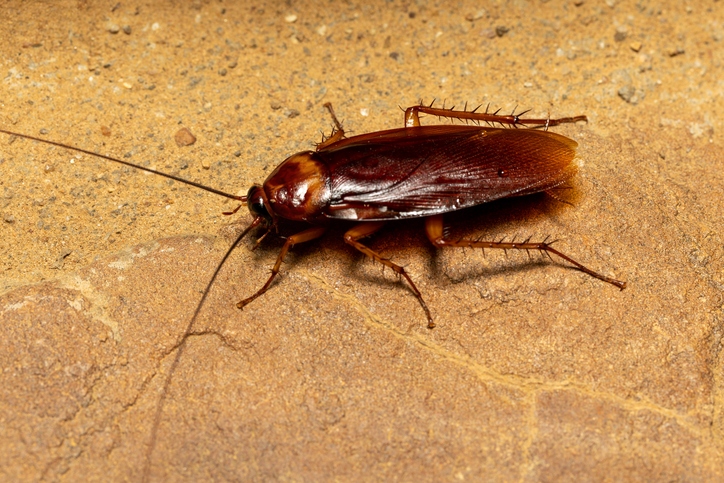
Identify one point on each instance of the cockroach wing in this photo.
(422, 171)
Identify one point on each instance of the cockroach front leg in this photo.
(412, 117)
(362, 230)
(434, 230)
(301, 237)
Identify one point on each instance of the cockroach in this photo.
(411, 172)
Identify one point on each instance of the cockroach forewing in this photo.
(422, 171)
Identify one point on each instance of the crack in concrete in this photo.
(532, 385)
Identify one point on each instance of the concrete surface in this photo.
(535, 371)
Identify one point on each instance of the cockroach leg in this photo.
(362, 230)
(301, 237)
(232, 212)
(261, 238)
(412, 117)
(337, 124)
(337, 133)
(434, 230)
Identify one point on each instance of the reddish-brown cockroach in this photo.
(411, 172)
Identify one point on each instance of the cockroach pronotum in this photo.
(410, 172)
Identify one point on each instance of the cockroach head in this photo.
(257, 203)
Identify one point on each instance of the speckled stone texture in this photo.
(535, 372)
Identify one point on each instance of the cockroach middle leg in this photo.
(412, 117)
(434, 230)
(301, 237)
(362, 230)
(337, 132)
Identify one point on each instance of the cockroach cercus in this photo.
(411, 172)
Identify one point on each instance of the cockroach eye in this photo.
(502, 173)
(255, 201)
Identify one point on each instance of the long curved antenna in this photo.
(180, 346)
(126, 163)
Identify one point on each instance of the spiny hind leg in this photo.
(435, 233)
(301, 237)
(362, 230)
(412, 116)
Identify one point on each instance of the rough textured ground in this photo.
(535, 372)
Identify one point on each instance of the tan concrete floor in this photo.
(535, 372)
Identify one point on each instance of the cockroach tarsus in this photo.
(411, 172)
